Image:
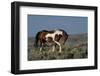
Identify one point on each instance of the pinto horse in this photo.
(55, 36)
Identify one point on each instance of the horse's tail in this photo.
(37, 39)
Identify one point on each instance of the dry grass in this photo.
(68, 52)
(73, 49)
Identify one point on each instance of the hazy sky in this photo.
(71, 24)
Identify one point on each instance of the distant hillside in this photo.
(78, 37)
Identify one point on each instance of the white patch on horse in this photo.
(57, 32)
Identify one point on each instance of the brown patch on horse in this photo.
(42, 37)
(50, 39)
(64, 38)
(57, 37)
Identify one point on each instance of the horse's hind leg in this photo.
(41, 47)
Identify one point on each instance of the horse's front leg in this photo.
(53, 48)
(58, 45)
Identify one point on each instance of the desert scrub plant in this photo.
(71, 50)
